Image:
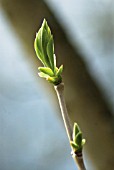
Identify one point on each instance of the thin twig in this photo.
(59, 90)
(78, 158)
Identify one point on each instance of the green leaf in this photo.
(50, 52)
(44, 42)
(76, 130)
(60, 70)
(46, 27)
(42, 38)
(74, 145)
(46, 70)
(39, 39)
(46, 36)
(38, 46)
(43, 75)
(78, 139)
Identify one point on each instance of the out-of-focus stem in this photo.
(78, 158)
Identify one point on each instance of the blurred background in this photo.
(32, 134)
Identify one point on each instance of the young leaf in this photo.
(76, 130)
(46, 70)
(50, 52)
(78, 139)
(46, 36)
(44, 42)
(38, 46)
(59, 70)
(74, 145)
(43, 75)
(46, 27)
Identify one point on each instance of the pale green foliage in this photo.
(44, 47)
(77, 142)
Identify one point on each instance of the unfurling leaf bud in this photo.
(78, 142)
(44, 47)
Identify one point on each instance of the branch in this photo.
(44, 47)
(78, 157)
